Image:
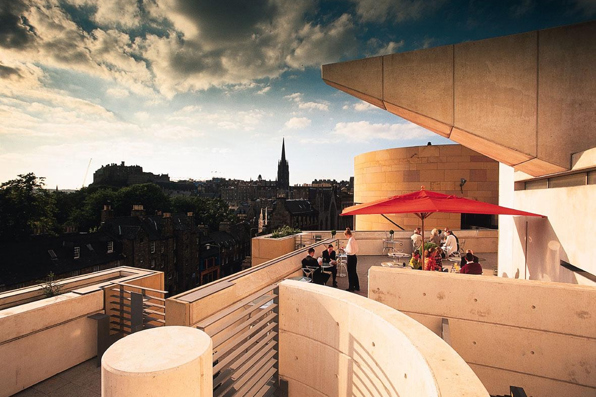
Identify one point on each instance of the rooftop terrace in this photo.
(492, 332)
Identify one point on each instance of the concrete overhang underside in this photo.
(526, 100)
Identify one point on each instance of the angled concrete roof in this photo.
(526, 100)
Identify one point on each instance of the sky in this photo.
(209, 88)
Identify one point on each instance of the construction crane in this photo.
(86, 172)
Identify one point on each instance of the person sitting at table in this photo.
(429, 260)
(310, 262)
(450, 244)
(453, 234)
(416, 239)
(329, 257)
(464, 260)
(434, 237)
(471, 266)
(415, 262)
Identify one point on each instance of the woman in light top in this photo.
(435, 238)
(351, 250)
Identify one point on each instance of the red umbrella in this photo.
(424, 202)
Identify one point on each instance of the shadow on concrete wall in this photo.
(542, 251)
(367, 374)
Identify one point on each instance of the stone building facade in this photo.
(449, 169)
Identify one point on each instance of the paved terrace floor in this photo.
(84, 380)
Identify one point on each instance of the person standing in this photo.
(330, 258)
(351, 250)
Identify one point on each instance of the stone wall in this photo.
(440, 168)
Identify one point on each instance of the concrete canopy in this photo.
(526, 100)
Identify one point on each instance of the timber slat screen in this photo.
(245, 345)
(132, 308)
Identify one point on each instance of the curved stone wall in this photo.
(390, 172)
(333, 343)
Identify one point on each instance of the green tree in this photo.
(149, 195)
(209, 212)
(26, 208)
(88, 215)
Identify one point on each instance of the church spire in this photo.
(283, 170)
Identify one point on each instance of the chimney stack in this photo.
(107, 213)
(225, 227)
(138, 211)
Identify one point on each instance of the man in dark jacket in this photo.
(317, 276)
(330, 258)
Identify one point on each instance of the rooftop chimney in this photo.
(225, 227)
(137, 210)
(107, 213)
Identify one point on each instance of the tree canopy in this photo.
(27, 208)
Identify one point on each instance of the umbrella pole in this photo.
(422, 246)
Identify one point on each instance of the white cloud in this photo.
(298, 123)
(376, 48)
(297, 97)
(117, 93)
(264, 90)
(142, 116)
(360, 107)
(314, 106)
(363, 131)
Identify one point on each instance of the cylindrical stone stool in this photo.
(164, 361)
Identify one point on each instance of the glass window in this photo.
(77, 252)
(110, 247)
(153, 247)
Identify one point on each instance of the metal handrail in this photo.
(245, 344)
(132, 310)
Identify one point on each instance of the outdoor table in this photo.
(389, 245)
(301, 278)
(455, 262)
(398, 255)
(325, 266)
(396, 265)
(341, 265)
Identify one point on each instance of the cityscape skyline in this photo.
(209, 89)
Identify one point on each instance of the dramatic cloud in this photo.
(15, 32)
(363, 131)
(587, 7)
(376, 48)
(298, 123)
(379, 11)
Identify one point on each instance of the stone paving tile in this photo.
(83, 380)
(72, 390)
(51, 384)
(30, 392)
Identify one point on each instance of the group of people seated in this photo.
(449, 243)
(319, 276)
(445, 247)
